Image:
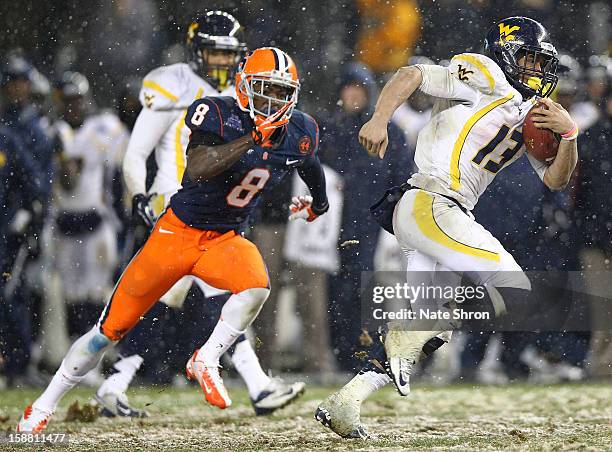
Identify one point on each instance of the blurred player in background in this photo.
(475, 131)
(93, 144)
(238, 148)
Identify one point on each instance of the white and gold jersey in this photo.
(166, 94)
(474, 131)
(99, 145)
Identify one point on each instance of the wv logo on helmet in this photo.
(505, 32)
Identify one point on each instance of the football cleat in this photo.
(404, 349)
(33, 420)
(341, 414)
(400, 370)
(276, 395)
(111, 405)
(210, 381)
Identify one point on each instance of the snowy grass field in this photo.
(515, 417)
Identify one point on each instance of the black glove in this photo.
(142, 213)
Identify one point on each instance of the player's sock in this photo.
(83, 356)
(222, 337)
(237, 314)
(241, 308)
(60, 384)
(365, 383)
(118, 382)
(247, 364)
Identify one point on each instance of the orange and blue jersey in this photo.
(226, 202)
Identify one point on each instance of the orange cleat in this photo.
(210, 382)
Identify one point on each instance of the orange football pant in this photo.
(223, 260)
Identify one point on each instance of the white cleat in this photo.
(400, 370)
(277, 395)
(341, 414)
(111, 404)
(33, 420)
(404, 349)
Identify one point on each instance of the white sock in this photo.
(83, 356)
(61, 383)
(247, 364)
(118, 382)
(364, 384)
(222, 338)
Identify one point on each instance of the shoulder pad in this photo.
(479, 72)
(208, 115)
(162, 88)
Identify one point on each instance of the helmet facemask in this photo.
(208, 57)
(529, 80)
(268, 93)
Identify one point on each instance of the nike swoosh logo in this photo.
(165, 231)
(206, 388)
(291, 162)
(123, 410)
(273, 400)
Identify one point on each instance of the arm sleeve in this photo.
(539, 167)
(312, 174)
(439, 81)
(150, 126)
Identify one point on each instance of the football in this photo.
(541, 143)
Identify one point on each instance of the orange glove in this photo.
(265, 127)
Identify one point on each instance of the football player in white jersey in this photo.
(217, 45)
(475, 131)
(93, 145)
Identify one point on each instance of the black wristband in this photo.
(320, 210)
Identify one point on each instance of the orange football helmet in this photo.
(262, 69)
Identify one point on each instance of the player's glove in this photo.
(265, 127)
(142, 212)
(301, 207)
